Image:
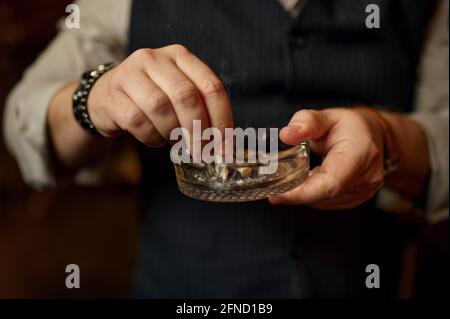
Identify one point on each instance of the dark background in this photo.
(42, 232)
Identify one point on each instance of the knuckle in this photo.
(142, 57)
(134, 119)
(213, 88)
(186, 94)
(158, 103)
(306, 117)
(138, 60)
(116, 78)
(178, 49)
(142, 54)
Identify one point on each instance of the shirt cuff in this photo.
(26, 133)
(436, 128)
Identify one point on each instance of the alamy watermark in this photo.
(73, 19)
(373, 18)
(237, 146)
(73, 277)
(373, 279)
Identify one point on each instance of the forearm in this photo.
(71, 145)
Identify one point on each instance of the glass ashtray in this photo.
(242, 182)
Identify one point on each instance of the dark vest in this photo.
(273, 65)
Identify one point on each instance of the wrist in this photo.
(389, 144)
(405, 151)
(97, 101)
(412, 149)
(82, 110)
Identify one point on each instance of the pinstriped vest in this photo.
(271, 64)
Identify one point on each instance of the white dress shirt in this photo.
(102, 37)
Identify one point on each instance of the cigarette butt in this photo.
(245, 171)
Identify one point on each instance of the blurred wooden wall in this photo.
(42, 232)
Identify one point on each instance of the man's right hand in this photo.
(156, 90)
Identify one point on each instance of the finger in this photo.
(327, 181)
(317, 190)
(129, 117)
(306, 124)
(314, 189)
(153, 102)
(305, 195)
(210, 87)
(183, 94)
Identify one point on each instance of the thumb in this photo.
(306, 124)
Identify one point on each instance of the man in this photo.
(298, 65)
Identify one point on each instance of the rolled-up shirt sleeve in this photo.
(101, 37)
(432, 108)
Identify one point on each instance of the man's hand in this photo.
(156, 90)
(352, 170)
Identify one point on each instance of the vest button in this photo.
(296, 41)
